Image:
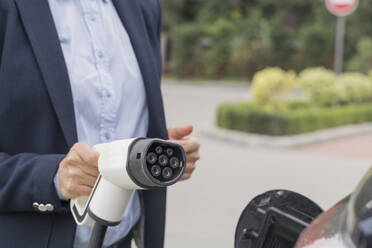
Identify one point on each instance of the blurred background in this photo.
(234, 39)
(256, 80)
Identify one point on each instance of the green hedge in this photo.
(300, 119)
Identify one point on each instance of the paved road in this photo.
(203, 212)
(358, 146)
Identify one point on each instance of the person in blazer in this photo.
(42, 132)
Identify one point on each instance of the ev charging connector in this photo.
(125, 166)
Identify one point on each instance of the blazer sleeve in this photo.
(28, 178)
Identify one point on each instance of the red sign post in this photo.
(340, 8)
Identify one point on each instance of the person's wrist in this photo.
(58, 188)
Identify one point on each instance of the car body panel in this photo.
(347, 224)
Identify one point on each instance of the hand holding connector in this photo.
(125, 166)
(78, 171)
(181, 135)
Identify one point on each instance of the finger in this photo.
(190, 167)
(82, 190)
(82, 174)
(177, 133)
(72, 158)
(87, 154)
(90, 170)
(87, 180)
(71, 189)
(75, 160)
(185, 176)
(193, 157)
(189, 144)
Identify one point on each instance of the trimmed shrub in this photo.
(326, 89)
(319, 84)
(300, 119)
(353, 88)
(269, 86)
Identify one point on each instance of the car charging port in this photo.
(275, 219)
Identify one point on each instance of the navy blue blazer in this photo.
(37, 125)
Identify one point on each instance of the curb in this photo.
(285, 142)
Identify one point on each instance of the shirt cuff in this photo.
(56, 185)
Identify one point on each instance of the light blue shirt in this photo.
(107, 86)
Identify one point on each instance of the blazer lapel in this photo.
(134, 23)
(39, 25)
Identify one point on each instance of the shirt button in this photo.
(92, 18)
(100, 54)
(106, 93)
(107, 136)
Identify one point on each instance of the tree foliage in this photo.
(238, 37)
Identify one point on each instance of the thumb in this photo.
(177, 133)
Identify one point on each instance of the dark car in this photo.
(282, 219)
